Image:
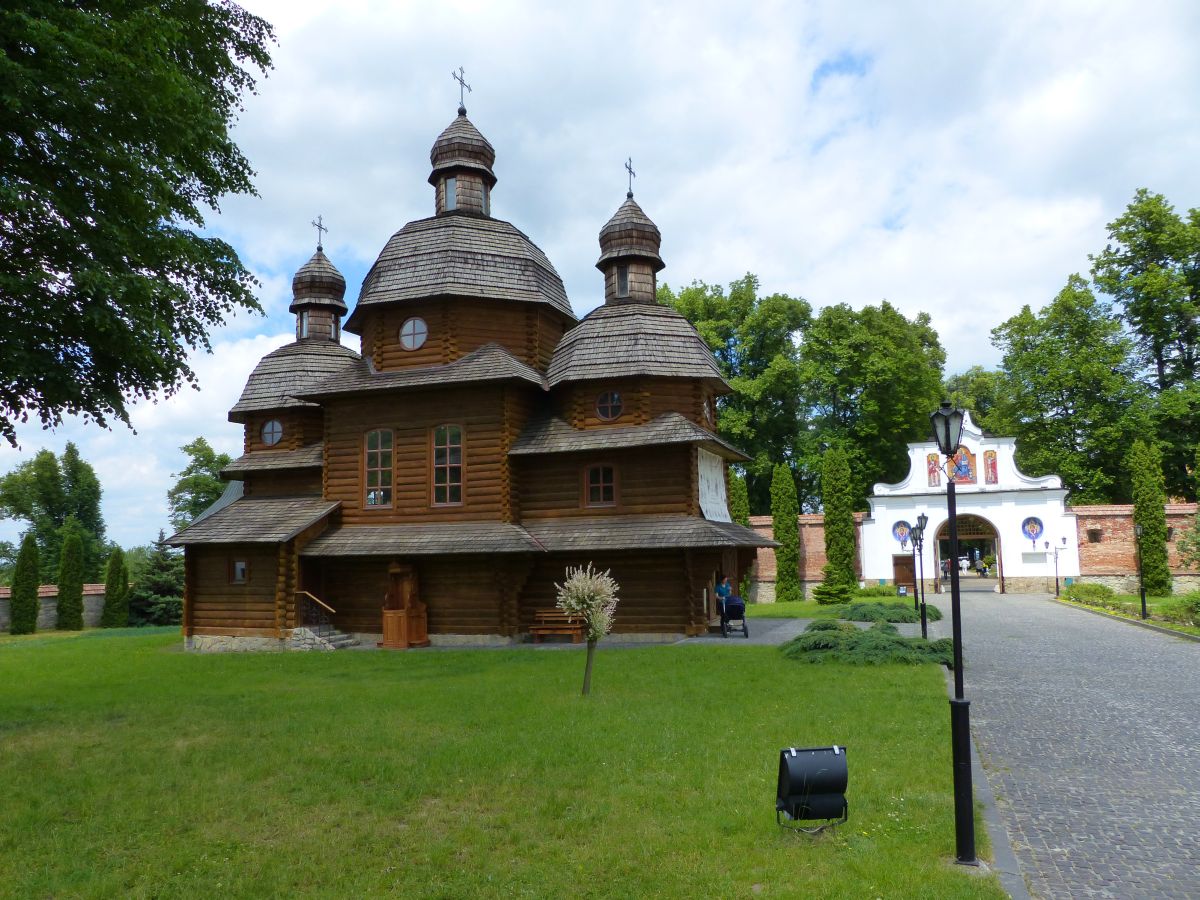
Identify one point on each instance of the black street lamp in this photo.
(1137, 529)
(915, 536)
(947, 432)
(922, 521)
(1056, 549)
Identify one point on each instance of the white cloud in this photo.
(959, 159)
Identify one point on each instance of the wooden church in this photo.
(436, 486)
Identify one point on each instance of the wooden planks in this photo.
(216, 603)
(652, 480)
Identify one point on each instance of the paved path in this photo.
(1090, 732)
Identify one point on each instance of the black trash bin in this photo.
(812, 785)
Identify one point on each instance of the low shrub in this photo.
(790, 593)
(1179, 610)
(828, 594)
(831, 625)
(877, 590)
(1088, 593)
(876, 645)
(888, 612)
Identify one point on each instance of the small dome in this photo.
(288, 371)
(461, 146)
(318, 283)
(630, 233)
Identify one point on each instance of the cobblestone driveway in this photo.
(1090, 732)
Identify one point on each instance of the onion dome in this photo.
(630, 234)
(291, 370)
(318, 283)
(624, 340)
(461, 146)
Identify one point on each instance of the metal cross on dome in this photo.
(632, 174)
(459, 76)
(319, 224)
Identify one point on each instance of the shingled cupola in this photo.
(318, 290)
(629, 257)
(462, 173)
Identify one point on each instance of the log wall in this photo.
(301, 426)
(643, 399)
(283, 483)
(651, 480)
(217, 607)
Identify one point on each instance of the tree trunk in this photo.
(587, 671)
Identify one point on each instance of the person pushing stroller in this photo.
(732, 606)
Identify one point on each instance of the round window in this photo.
(413, 333)
(608, 405)
(272, 432)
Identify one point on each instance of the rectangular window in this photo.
(487, 200)
(622, 281)
(239, 571)
(377, 467)
(1170, 533)
(451, 193)
(1094, 535)
(302, 324)
(337, 328)
(447, 465)
(600, 486)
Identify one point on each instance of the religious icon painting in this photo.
(934, 467)
(962, 467)
(1032, 528)
(990, 473)
(901, 530)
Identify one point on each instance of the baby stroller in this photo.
(733, 609)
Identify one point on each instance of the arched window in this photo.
(272, 432)
(609, 406)
(600, 486)
(413, 333)
(447, 465)
(377, 468)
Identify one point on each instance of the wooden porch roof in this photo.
(256, 520)
(554, 435)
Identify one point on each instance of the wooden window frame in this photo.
(302, 325)
(233, 563)
(623, 280)
(424, 336)
(391, 468)
(434, 466)
(262, 433)
(585, 499)
(620, 406)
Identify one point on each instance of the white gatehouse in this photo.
(1021, 521)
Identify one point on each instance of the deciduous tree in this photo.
(1149, 511)
(198, 485)
(786, 532)
(115, 139)
(977, 390)
(1069, 394)
(24, 604)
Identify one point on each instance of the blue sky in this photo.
(957, 159)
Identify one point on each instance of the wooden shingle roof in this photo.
(491, 362)
(318, 283)
(310, 457)
(633, 339)
(630, 233)
(641, 533)
(460, 254)
(288, 371)
(256, 520)
(422, 540)
(553, 435)
(461, 146)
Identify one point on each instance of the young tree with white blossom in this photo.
(592, 597)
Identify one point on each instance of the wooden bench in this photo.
(555, 621)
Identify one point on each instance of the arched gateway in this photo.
(1002, 512)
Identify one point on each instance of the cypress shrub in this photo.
(116, 591)
(785, 512)
(1144, 463)
(70, 584)
(24, 605)
(739, 499)
(837, 499)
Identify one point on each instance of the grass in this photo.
(805, 609)
(1132, 604)
(133, 769)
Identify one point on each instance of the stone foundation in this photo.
(93, 608)
(307, 639)
(1128, 584)
(221, 643)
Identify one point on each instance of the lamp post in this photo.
(947, 432)
(1137, 529)
(915, 536)
(1056, 549)
(922, 521)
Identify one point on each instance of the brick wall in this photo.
(1115, 553)
(812, 547)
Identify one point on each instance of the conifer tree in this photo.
(156, 596)
(70, 582)
(739, 499)
(837, 499)
(24, 605)
(785, 522)
(1144, 463)
(116, 591)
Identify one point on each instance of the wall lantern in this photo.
(812, 787)
(947, 428)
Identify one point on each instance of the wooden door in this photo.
(903, 574)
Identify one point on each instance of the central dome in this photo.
(461, 255)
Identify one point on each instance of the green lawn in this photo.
(1133, 610)
(132, 769)
(805, 609)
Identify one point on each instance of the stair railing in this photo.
(315, 614)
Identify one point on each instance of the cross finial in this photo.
(632, 175)
(319, 224)
(459, 76)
